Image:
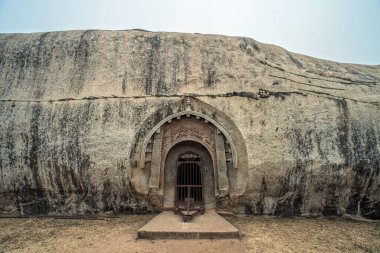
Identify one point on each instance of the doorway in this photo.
(189, 172)
(189, 179)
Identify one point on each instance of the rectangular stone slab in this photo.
(167, 225)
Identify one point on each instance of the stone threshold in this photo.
(167, 225)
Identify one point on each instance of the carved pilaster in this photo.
(156, 160)
(221, 163)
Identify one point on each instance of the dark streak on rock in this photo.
(43, 58)
(152, 62)
(124, 83)
(32, 193)
(263, 190)
(343, 132)
(34, 149)
(294, 183)
(366, 158)
(10, 143)
(175, 72)
(1, 169)
(25, 62)
(106, 194)
(106, 113)
(186, 61)
(81, 62)
(208, 68)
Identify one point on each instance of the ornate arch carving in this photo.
(178, 115)
(188, 128)
(184, 120)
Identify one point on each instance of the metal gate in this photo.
(189, 185)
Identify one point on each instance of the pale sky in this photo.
(338, 30)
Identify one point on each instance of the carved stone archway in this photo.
(195, 121)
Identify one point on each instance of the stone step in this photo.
(167, 225)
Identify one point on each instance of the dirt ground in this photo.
(258, 234)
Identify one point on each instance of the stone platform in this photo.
(167, 225)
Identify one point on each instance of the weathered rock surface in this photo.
(73, 104)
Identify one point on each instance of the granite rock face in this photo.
(73, 106)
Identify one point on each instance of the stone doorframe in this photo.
(171, 168)
(230, 167)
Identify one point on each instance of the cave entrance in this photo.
(189, 180)
(189, 173)
(190, 125)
